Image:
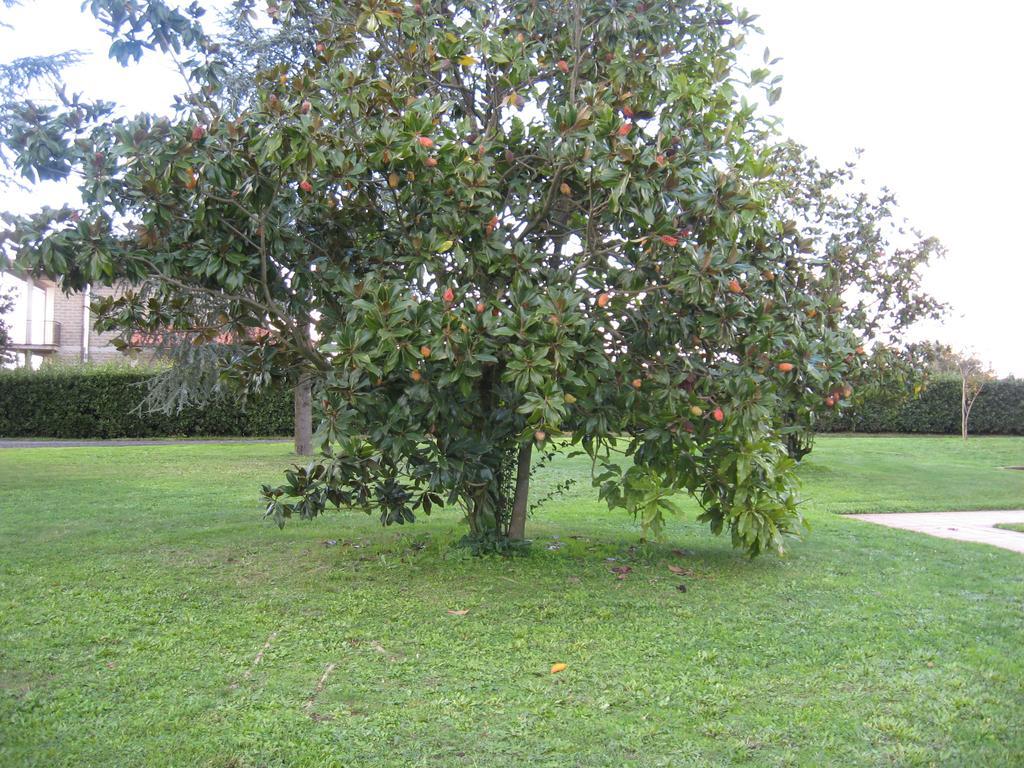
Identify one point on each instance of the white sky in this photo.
(930, 90)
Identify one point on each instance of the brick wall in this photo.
(68, 310)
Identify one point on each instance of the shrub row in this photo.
(999, 410)
(101, 402)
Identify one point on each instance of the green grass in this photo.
(1018, 527)
(138, 585)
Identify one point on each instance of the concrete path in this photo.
(15, 443)
(965, 526)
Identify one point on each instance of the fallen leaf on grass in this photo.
(458, 613)
(559, 667)
(682, 552)
(680, 571)
(621, 571)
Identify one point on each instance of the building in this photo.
(48, 324)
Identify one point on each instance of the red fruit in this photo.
(305, 186)
(449, 295)
(480, 308)
(305, 107)
(627, 112)
(734, 286)
(320, 47)
(198, 132)
(431, 162)
(425, 141)
(637, 383)
(562, 65)
(660, 160)
(717, 415)
(670, 241)
(540, 435)
(860, 350)
(785, 367)
(602, 300)
(425, 350)
(492, 224)
(830, 401)
(495, 312)
(416, 375)
(624, 129)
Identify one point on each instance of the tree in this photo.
(17, 78)
(868, 272)
(6, 305)
(200, 352)
(508, 226)
(943, 360)
(973, 377)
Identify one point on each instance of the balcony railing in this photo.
(42, 336)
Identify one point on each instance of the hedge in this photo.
(100, 402)
(999, 410)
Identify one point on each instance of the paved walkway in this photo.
(127, 442)
(965, 526)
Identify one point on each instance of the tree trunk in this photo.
(517, 523)
(963, 407)
(304, 415)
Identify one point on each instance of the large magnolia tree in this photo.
(511, 225)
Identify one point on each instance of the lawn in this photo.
(149, 617)
(1018, 527)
